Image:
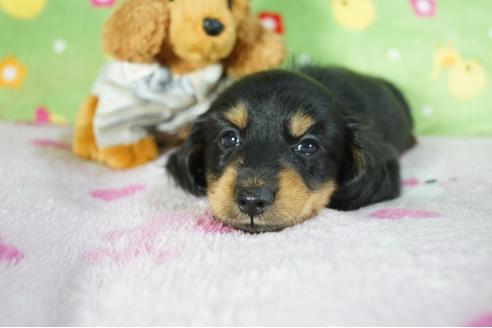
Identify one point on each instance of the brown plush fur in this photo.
(170, 33)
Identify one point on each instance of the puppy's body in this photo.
(381, 114)
(277, 147)
(371, 99)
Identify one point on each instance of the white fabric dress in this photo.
(134, 97)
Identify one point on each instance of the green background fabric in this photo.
(399, 42)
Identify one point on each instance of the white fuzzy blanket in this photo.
(83, 245)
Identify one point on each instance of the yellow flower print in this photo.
(12, 73)
(353, 14)
(466, 78)
(23, 9)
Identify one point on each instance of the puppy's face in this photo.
(267, 154)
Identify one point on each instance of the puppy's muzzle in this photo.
(254, 201)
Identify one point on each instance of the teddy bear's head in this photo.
(202, 30)
(189, 34)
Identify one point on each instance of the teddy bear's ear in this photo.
(136, 30)
(257, 48)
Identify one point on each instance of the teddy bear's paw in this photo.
(144, 151)
(84, 145)
(117, 157)
(128, 156)
(84, 142)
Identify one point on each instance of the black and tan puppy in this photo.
(277, 147)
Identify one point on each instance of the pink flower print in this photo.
(102, 3)
(424, 8)
(41, 115)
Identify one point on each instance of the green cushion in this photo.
(402, 40)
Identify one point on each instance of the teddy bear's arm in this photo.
(136, 30)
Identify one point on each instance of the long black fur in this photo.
(363, 124)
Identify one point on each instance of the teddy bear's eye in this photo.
(229, 3)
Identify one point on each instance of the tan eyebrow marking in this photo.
(238, 115)
(299, 123)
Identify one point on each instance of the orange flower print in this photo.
(12, 73)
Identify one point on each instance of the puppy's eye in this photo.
(229, 3)
(307, 147)
(230, 139)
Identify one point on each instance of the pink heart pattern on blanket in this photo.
(109, 195)
(9, 254)
(50, 143)
(412, 182)
(208, 224)
(123, 245)
(483, 321)
(400, 213)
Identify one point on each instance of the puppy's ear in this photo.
(364, 149)
(136, 30)
(370, 172)
(187, 163)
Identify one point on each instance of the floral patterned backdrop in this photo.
(438, 51)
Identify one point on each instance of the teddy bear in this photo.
(168, 60)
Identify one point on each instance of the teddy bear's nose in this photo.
(212, 26)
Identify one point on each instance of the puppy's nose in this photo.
(212, 26)
(254, 201)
